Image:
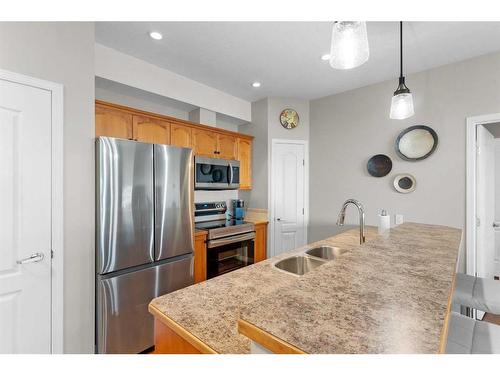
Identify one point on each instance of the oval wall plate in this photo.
(416, 143)
(405, 183)
(379, 165)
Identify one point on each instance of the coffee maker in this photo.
(238, 210)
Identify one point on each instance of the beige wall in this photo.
(257, 197)
(265, 127)
(276, 131)
(64, 53)
(348, 128)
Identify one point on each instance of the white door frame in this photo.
(270, 204)
(471, 187)
(57, 100)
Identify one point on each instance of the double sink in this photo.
(313, 258)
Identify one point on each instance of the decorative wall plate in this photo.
(379, 165)
(416, 143)
(289, 118)
(405, 183)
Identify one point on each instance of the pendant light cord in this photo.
(401, 48)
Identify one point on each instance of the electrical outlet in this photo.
(398, 219)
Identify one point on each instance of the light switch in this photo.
(398, 219)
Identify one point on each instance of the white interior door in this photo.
(288, 196)
(485, 254)
(25, 219)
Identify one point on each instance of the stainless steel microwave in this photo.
(216, 174)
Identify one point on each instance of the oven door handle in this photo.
(231, 239)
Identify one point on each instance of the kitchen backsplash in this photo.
(215, 195)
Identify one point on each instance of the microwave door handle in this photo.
(230, 174)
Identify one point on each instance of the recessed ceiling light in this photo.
(156, 35)
(325, 57)
(256, 84)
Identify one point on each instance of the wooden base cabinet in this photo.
(200, 257)
(260, 250)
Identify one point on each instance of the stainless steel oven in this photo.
(216, 174)
(230, 242)
(229, 253)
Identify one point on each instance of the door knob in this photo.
(278, 219)
(33, 258)
(496, 225)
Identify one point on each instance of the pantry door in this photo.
(288, 195)
(25, 218)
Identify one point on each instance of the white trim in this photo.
(270, 204)
(57, 99)
(470, 195)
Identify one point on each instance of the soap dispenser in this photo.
(384, 222)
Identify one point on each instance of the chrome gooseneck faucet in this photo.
(341, 218)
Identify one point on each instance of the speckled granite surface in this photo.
(387, 296)
(379, 297)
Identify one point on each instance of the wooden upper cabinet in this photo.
(110, 122)
(205, 143)
(151, 130)
(181, 135)
(245, 158)
(227, 147)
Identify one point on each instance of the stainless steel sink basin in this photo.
(324, 252)
(299, 264)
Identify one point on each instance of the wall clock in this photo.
(289, 118)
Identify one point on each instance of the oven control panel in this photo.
(210, 206)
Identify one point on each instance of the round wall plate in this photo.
(416, 143)
(379, 165)
(405, 183)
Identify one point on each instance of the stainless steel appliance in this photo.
(230, 243)
(144, 237)
(216, 174)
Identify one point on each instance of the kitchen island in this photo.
(389, 295)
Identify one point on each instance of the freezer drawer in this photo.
(124, 324)
(124, 216)
(174, 201)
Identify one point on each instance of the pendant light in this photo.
(402, 101)
(349, 47)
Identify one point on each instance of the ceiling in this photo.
(285, 56)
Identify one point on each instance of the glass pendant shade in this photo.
(349, 47)
(402, 106)
(402, 102)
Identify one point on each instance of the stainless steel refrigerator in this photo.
(144, 237)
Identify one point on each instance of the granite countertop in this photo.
(387, 296)
(376, 297)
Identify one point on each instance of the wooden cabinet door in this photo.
(200, 257)
(181, 135)
(226, 147)
(260, 249)
(112, 123)
(245, 158)
(205, 143)
(151, 130)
